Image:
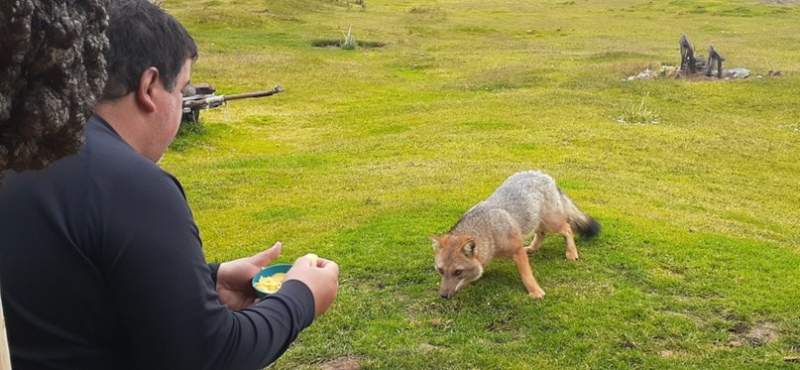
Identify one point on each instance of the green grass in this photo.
(368, 151)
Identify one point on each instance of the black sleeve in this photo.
(165, 291)
(214, 268)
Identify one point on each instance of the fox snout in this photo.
(455, 279)
(448, 290)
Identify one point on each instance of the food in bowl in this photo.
(270, 284)
(269, 279)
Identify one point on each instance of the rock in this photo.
(736, 73)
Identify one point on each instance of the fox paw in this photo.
(539, 294)
(572, 257)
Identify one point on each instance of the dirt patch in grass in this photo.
(342, 363)
(755, 335)
(504, 323)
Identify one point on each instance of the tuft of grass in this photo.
(639, 114)
(348, 40)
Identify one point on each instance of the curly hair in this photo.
(52, 70)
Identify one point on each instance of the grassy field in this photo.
(368, 151)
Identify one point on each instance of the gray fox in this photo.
(526, 203)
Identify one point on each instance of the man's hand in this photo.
(322, 278)
(234, 278)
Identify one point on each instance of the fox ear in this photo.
(469, 248)
(436, 243)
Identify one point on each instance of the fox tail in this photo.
(582, 223)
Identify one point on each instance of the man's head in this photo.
(149, 63)
(142, 35)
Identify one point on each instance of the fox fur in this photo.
(526, 203)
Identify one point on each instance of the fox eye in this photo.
(457, 272)
(441, 272)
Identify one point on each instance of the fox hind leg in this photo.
(536, 243)
(572, 250)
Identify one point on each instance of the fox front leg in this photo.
(524, 266)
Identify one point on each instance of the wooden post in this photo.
(713, 56)
(5, 355)
(687, 55)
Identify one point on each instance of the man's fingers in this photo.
(313, 259)
(269, 255)
(330, 265)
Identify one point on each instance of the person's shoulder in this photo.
(112, 162)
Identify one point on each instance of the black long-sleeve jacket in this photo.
(101, 267)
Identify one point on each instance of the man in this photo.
(101, 265)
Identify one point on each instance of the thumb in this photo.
(267, 256)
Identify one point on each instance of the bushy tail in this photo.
(586, 226)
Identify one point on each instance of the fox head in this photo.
(456, 262)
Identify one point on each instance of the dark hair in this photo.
(52, 68)
(142, 35)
